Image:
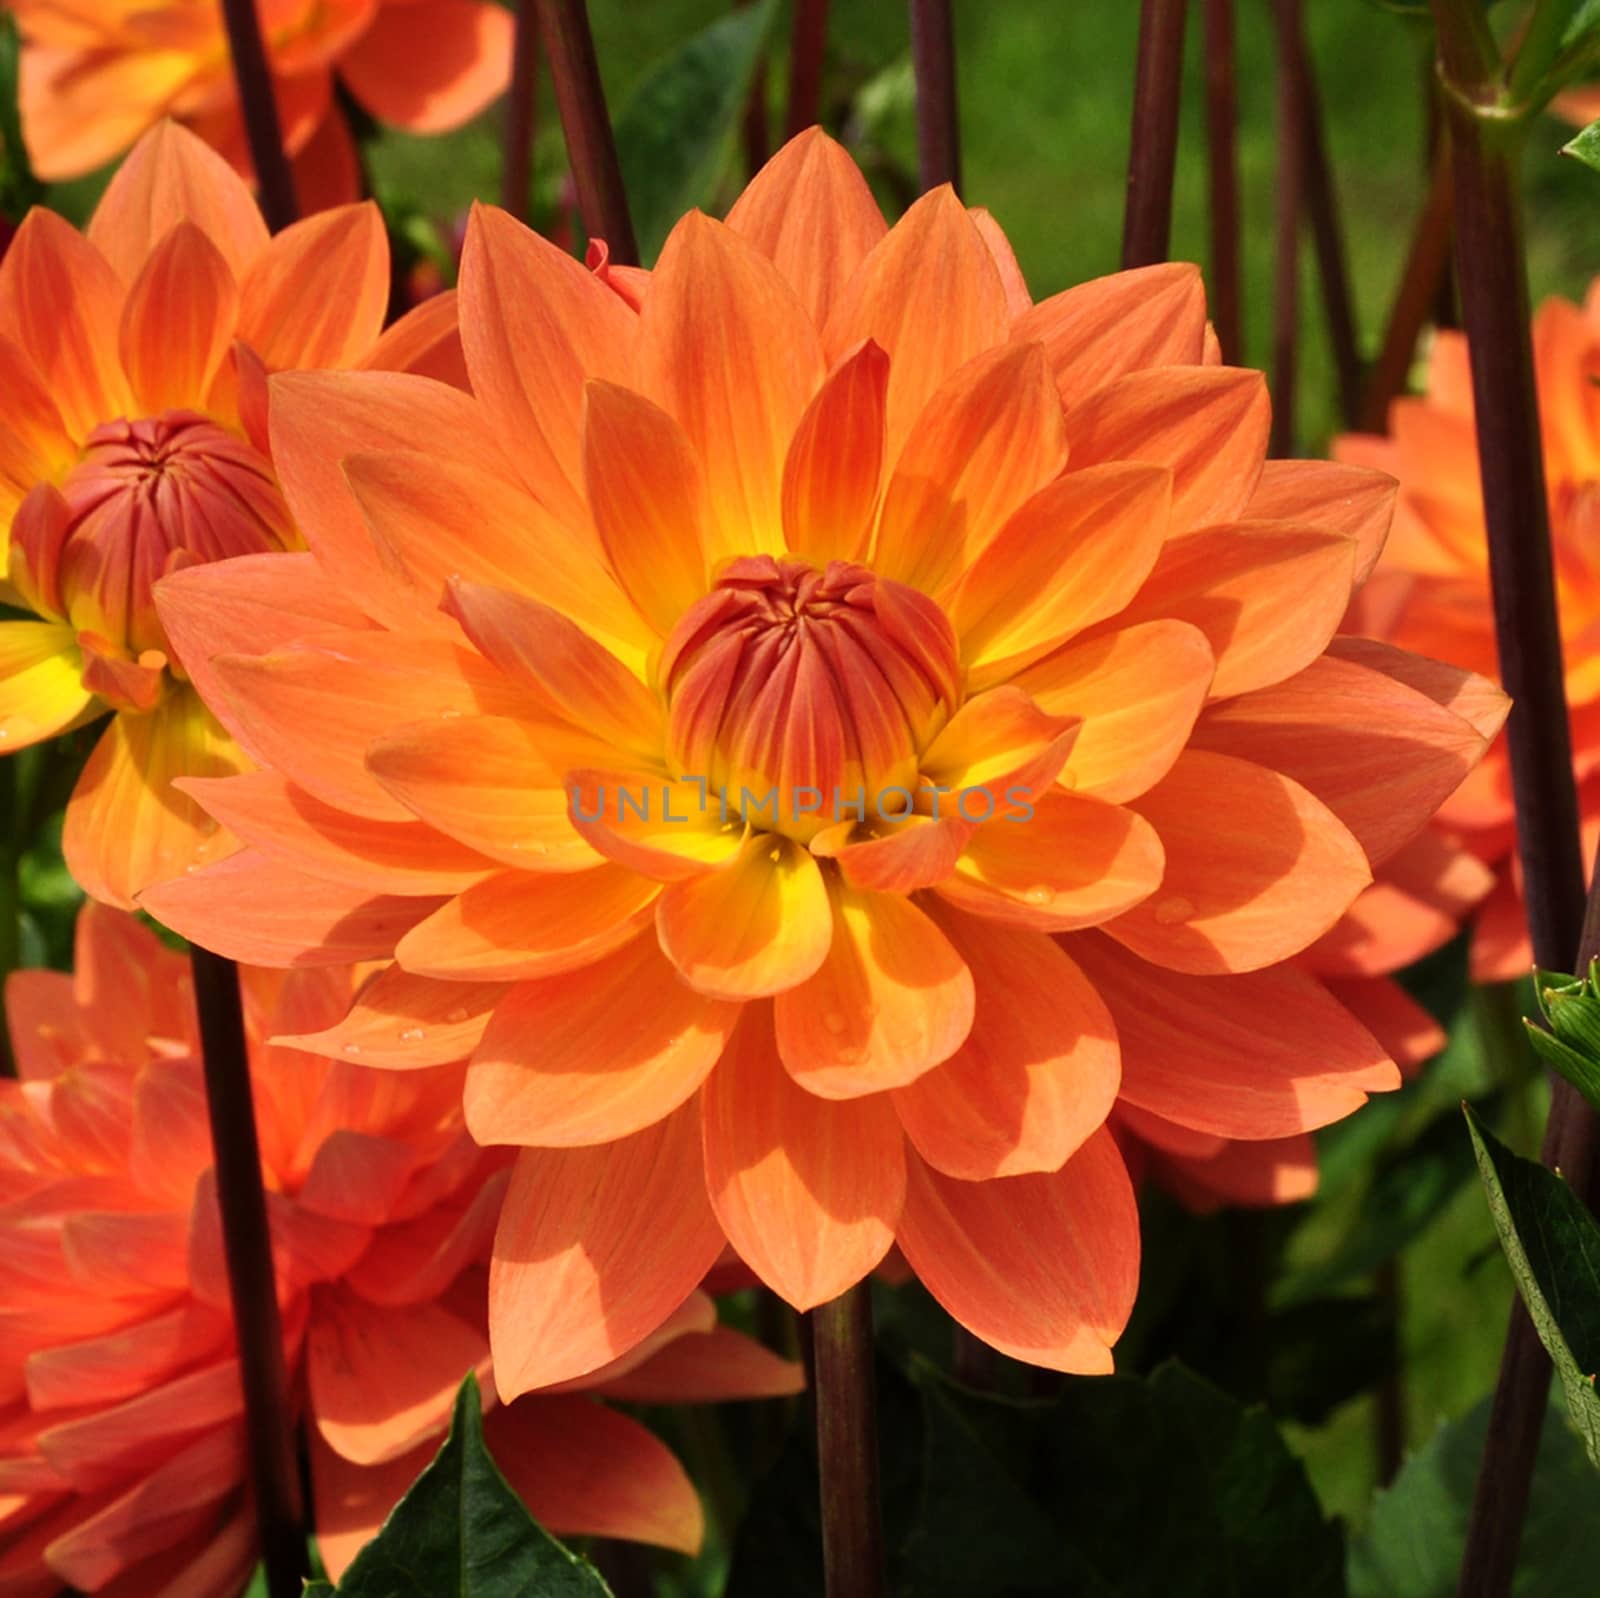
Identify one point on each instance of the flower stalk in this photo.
(1153, 145)
(808, 43)
(1492, 269)
(516, 169)
(933, 55)
(1288, 187)
(847, 1446)
(252, 1281)
(1222, 139)
(259, 111)
(591, 149)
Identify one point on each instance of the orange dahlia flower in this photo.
(95, 74)
(122, 1464)
(133, 442)
(1431, 592)
(820, 740)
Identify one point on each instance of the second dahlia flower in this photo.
(822, 733)
(122, 1465)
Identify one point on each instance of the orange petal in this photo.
(1346, 499)
(665, 829)
(320, 418)
(1475, 699)
(433, 66)
(382, 1383)
(648, 499)
(893, 999)
(835, 461)
(170, 176)
(1018, 300)
(255, 909)
(434, 520)
(178, 321)
(807, 1190)
(1043, 1267)
(593, 1054)
(1255, 1174)
(486, 781)
(1072, 555)
(127, 827)
(313, 711)
(586, 1471)
(913, 851)
(1380, 755)
(536, 325)
(353, 1501)
(120, 1364)
(288, 824)
(1106, 328)
(930, 296)
(753, 927)
(596, 1248)
(1262, 1055)
(60, 302)
(345, 253)
(41, 687)
(573, 676)
(1268, 596)
(727, 349)
(1138, 691)
(709, 1367)
(1207, 423)
(1406, 1032)
(34, 446)
(810, 211)
(1257, 868)
(992, 737)
(426, 341)
(1033, 1081)
(403, 1021)
(988, 439)
(1075, 862)
(520, 924)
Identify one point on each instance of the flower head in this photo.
(121, 1428)
(821, 740)
(1431, 592)
(94, 79)
(133, 443)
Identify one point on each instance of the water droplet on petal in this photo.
(457, 1015)
(1171, 911)
(1040, 894)
(834, 1022)
(412, 1034)
(352, 1048)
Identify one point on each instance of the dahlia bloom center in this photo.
(799, 693)
(144, 498)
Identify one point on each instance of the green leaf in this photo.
(1582, 1072)
(1585, 16)
(461, 1532)
(1411, 1544)
(1553, 1246)
(675, 130)
(1023, 1498)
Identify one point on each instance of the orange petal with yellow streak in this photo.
(807, 1189)
(930, 295)
(1043, 1267)
(663, 828)
(1032, 1082)
(1257, 868)
(727, 349)
(809, 210)
(593, 1054)
(521, 924)
(178, 321)
(536, 326)
(41, 688)
(596, 1247)
(893, 999)
(753, 927)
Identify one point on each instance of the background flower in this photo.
(121, 1447)
(836, 506)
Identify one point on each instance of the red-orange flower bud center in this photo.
(802, 694)
(145, 498)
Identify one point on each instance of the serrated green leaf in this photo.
(675, 130)
(1553, 1246)
(461, 1532)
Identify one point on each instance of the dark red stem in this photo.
(591, 149)
(808, 44)
(754, 127)
(1153, 144)
(1327, 232)
(1222, 139)
(252, 1282)
(1427, 267)
(847, 1446)
(517, 168)
(259, 111)
(1291, 168)
(933, 56)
